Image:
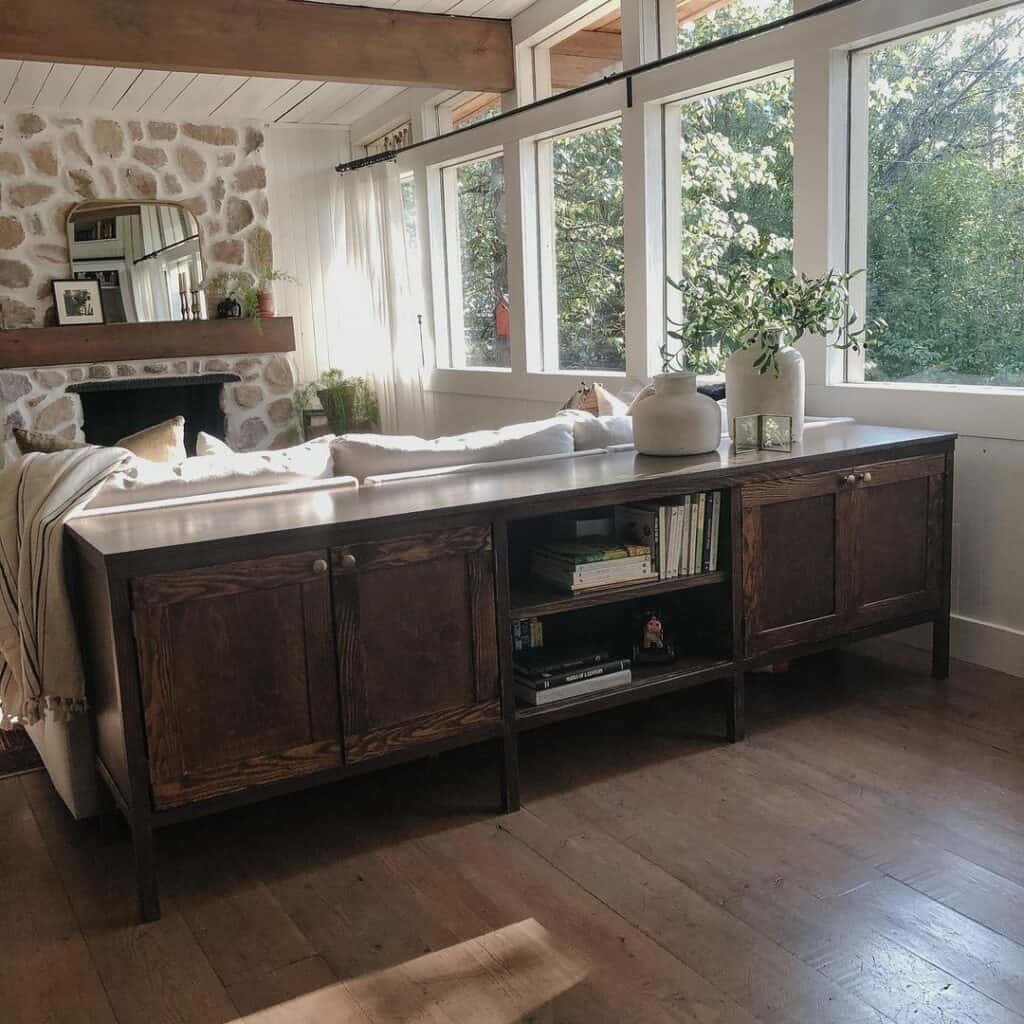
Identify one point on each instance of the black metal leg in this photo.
(145, 872)
(509, 766)
(735, 725)
(940, 648)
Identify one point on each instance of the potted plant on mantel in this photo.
(254, 295)
(754, 313)
(349, 403)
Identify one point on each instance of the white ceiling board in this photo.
(281, 107)
(359, 106)
(255, 94)
(118, 82)
(58, 84)
(203, 94)
(140, 91)
(322, 103)
(85, 87)
(29, 81)
(167, 92)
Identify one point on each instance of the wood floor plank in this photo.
(152, 973)
(859, 860)
(46, 972)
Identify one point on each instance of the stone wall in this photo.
(259, 408)
(49, 162)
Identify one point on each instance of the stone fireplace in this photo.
(255, 396)
(112, 409)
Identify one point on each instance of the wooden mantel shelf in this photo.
(111, 343)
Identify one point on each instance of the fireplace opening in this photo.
(113, 409)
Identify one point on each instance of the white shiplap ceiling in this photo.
(179, 94)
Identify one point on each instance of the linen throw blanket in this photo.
(40, 666)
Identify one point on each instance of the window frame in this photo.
(817, 52)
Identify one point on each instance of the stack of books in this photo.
(527, 634)
(547, 677)
(683, 535)
(579, 566)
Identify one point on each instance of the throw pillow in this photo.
(597, 400)
(207, 444)
(163, 443)
(34, 441)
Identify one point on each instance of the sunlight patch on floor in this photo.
(497, 978)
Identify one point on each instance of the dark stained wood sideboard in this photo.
(240, 650)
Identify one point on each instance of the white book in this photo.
(665, 536)
(675, 534)
(539, 697)
(716, 515)
(684, 546)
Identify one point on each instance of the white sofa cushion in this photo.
(590, 431)
(212, 474)
(363, 455)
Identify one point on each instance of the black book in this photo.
(709, 511)
(538, 663)
(548, 681)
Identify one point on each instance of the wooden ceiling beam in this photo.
(265, 38)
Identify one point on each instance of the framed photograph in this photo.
(78, 302)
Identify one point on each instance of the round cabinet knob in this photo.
(320, 567)
(348, 561)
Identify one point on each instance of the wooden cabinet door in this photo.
(417, 639)
(897, 538)
(794, 560)
(238, 675)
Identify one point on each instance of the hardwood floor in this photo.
(860, 858)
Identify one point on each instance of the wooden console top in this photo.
(132, 533)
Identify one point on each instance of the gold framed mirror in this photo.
(146, 255)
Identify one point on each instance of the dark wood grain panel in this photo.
(238, 683)
(230, 578)
(416, 628)
(897, 534)
(396, 552)
(258, 770)
(793, 565)
(111, 343)
(425, 729)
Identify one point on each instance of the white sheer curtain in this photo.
(377, 323)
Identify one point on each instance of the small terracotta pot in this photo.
(266, 301)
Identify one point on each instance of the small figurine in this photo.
(653, 648)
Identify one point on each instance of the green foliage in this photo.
(946, 200)
(589, 250)
(350, 403)
(481, 200)
(245, 289)
(749, 304)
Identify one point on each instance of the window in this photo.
(705, 21)
(477, 279)
(394, 139)
(586, 51)
(736, 191)
(586, 172)
(937, 211)
(474, 107)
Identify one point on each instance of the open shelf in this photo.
(648, 681)
(538, 598)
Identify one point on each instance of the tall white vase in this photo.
(748, 392)
(671, 417)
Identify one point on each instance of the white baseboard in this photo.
(981, 643)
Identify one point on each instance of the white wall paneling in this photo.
(300, 161)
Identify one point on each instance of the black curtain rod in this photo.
(627, 76)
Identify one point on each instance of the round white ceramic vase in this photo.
(671, 417)
(748, 392)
